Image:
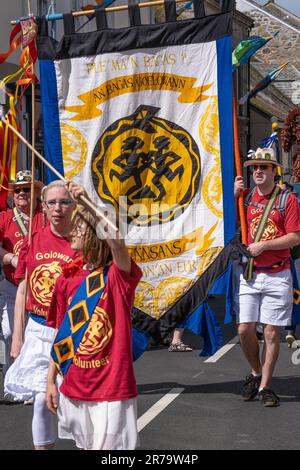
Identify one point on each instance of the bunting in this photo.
(23, 34)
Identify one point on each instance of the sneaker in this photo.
(290, 338)
(259, 335)
(180, 347)
(250, 387)
(259, 332)
(268, 397)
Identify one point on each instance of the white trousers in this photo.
(7, 303)
(28, 373)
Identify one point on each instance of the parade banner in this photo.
(142, 117)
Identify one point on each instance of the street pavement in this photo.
(186, 403)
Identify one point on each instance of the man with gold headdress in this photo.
(264, 289)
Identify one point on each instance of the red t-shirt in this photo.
(43, 259)
(276, 227)
(12, 238)
(102, 369)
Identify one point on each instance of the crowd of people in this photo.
(65, 259)
(67, 294)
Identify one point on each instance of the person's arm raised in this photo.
(120, 253)
(114, 239)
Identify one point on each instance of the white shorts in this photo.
(107, 425)
(267, 299)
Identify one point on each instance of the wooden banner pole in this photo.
(59, 16)
(90, 204)
(239, 172)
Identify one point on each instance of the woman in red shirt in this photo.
(42, 259)
(13, 228)
(97, 403)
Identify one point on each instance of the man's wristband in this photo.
(13, 256)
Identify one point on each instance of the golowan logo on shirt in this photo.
(270, 230)
(17, 247)
(42, 282)
(97, 335)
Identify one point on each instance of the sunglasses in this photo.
(261, 167)
(22, 190)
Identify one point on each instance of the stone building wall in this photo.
(282, 95)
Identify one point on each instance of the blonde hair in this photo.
(95, 250)
(53, 184)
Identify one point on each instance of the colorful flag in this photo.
(246, 49)
(262, 84)
(142, 117)
(185, 7)
(23, 34)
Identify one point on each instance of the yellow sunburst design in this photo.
(156, 300)
(209, 128)
(74, 149)
(212, 190)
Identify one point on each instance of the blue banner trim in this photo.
(203, 322)
(51, 125)
(140, 341)
(224, 52)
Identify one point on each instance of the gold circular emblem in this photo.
(42, 282)
(97, 335)
(209, 128)
(156, 300)
(74, 150)
(208, 258)
(270, 231)
(149, 161)
(17, 247)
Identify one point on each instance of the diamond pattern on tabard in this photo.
(64, 348)
(94, 283)
(78, 315)
(296, 295)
